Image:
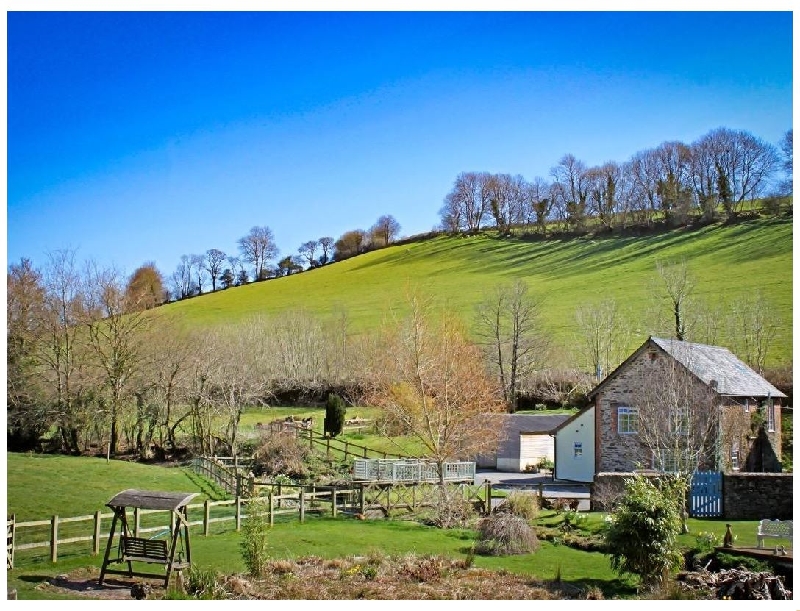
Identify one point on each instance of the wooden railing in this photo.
(347, 448)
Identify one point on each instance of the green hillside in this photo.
(726, 263)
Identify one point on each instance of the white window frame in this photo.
(679, 421)
(735, 456)
(631, 417)
(577, 449)
(770, 407)
(667, 457)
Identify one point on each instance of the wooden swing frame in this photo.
(132, 548)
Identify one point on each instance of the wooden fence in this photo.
(274, 500)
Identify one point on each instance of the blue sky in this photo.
(137, 137)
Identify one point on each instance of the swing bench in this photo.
(132, 548)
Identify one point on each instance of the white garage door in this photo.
(532, 448)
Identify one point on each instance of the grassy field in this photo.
(726, 263)
(41, 486)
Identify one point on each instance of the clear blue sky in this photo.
(137, 137)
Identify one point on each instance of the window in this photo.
(735, 456)
(627, 420)
(679, 421)
(665, 461)
(770, 415)
(577, 449)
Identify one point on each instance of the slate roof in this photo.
(514, 424)
(733, 377)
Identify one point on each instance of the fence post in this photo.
(135, 521)
(333, 501)
(361, 500)
(10, 539)
(238, 513)
(206, 517)
(54, 539)
(96, 538)
(302, 505)
(280, 488)
(172, 523)
(541, 494)
(327, 448)
(488, 505)
(271, 510)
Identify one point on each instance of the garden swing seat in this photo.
(151, 551)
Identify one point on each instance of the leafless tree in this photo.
(539, 203)
(510, 328)
(754, 325)
(258, 247)
(677, 287)
(385, 230)
(214, 260)
(601, 188)
(351, 243)
(571, 175)
(468, 203)
(181, 279)
(116, 333)
(433, 382)
(197, 264)
(307, 250)
(787, 156)
(603, 334)
(326, 244)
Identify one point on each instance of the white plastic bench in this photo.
(773, 529)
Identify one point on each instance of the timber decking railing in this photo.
(410, 470)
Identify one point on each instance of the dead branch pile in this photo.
(736, 584)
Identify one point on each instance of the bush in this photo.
(505, 534)
(335, 411)
(525, 506)
(255, 529)
(642, 535)
(281, 453)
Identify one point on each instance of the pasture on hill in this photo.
(726, 263)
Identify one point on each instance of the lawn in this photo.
(40, 486)
(726, 263)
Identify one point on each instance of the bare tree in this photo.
(197, 264)
(787, 157)
(539, 203)
(431, 381)
(258, 247)
(468, 203)
(603, 335)
(753, 324)
(214, 261)
(677, 287)
(326, 244)
(677, 416)
(509, 324)
(571, 175)
(181, 279)
(115, 334)
(307, 250)
(386, 229)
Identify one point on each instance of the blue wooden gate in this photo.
(705, 497)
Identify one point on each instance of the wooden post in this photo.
(541, 494)
(54, 539)
(302, 505)
(280, 488)
(361, 500)
(327, 448)
(171, 523)
(96, 538)
(206, 517)
(333, 501)
(135, 521)
(271, 510)
(310, 439)
(346, 449)
(12, 541)
(488, 504)
(238, 513)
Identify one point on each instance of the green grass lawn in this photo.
(725, 261)
(40, 486)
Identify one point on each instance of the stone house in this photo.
(673, 404)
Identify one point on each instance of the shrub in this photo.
(255, 529)
(204, 584)
(505, 534)
(519, 504)
(281, 453)
(642, 536)
(335, 410)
